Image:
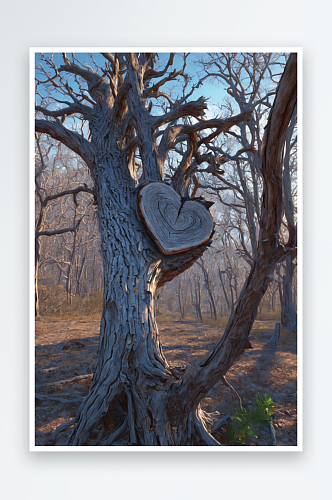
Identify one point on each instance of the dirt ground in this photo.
(65, 360)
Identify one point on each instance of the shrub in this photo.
(245, 423)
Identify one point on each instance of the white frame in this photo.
(32, 446)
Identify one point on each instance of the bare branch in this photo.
(69, 192)
(193, 108)
(151, 73)
(69, 110)
(69, 138)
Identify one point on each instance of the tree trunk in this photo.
(135, 394)
(196, 298)
(70, 271)
(131, 393)
(79, 287)
(229, 309)
(275, 336)
(213, 310)
(37, 258)
(288, 313)
(198, 301)
(181, 304)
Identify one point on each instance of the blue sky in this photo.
(215, 93)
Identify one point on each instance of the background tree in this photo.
(237, 179)
(119, 139)
(51, 207)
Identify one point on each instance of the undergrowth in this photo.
(245, 423)
(55, 306)
(269, 315)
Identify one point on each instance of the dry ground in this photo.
(67, 350)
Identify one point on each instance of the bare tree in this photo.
(195, 292)
(181, 299)
(208, 287)
(288, 313)
(44, 204)
(158, 405)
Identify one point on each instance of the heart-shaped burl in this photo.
(175, 225)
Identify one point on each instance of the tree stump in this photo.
(276, 335)
(174, 223)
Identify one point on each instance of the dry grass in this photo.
(219, 323)
(56, 307)
(268, 315)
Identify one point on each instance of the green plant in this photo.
(241, 426)
(245, 422)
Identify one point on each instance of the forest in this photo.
(165, 249)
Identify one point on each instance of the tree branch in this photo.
(173, 132)
(69, 138)
(69, 192)
(69, 110)
(207, 370)
(59, 231)
(151, 73)
(174, 265)
(193, 108)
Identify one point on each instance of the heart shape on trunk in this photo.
(174, 225)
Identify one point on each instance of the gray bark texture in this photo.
(135, 396)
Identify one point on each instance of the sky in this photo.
(215, 92)
(209, 90)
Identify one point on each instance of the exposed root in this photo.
(222, 421)
(65, 381)
(117, 434)
(227, 384)
(204, 434)
(61, 429)
(123, 417)
(273, 433)
(131, 419)
(58, 399)
(94, 407)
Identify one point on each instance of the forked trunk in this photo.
(135, 395)
(132, 394)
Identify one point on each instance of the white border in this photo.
(32, 446)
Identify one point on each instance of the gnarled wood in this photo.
(175, 225)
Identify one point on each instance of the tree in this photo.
(208, 287)
(251, 81)
(195, 293)
(135, 394)
(47, 191)
(288, 313)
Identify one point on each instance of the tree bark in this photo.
(132, 373)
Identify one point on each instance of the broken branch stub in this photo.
(276, 334)
(175, 224)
